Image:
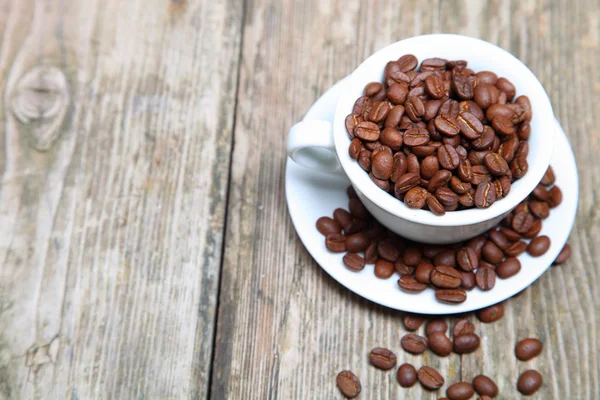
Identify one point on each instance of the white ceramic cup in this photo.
(315, 144)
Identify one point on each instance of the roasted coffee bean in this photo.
(519, 167)
(336, 242)
(516, 249)
(382, 358)
(463, 327)
(403, 269)
(412, 322)
(509, 267)
(480, 174)
(394, 117)
(522, 221)
(448, 157)
(364, 160)
(431, 109)
(383, 269)
(407, 62)
(510, 234)
(507, 87)
(527, 349)
(351, 192)
(362, 106)
(470, 126)
(389, 249)
(502, 186)
(524, 131)
(383, 184)
(477, 158)
(462, 87)
(485, 141)
(354, 262)
(397, 94)
(499, 239)
(429, 166)
(555, 197)
(471, 107)
(392, 138)
(355, 148)
(467, 259)
(381, 165)
(467, 343)
(414, 343)
(452, 296)
(412, 164)
(439, 179)
(434, 86)
(486, 77)
(538, 246)
(548, 178)
(541, 193)
(406, 182)
(465, 171)
(430, 378)
(453, 141)
(459, 186)
(424, 151)
(399, 167)
(367, 131)
(467, 280)
(492, 253)
(445, 277)
(534, 230)
(503, 126)
(414, 108)
(406, 375)
(485, 195)
(433, 64)
(446, 124)
(440, 344)
(351, 122)
(412, 256)
(372, 88)
(416, 197)
(529, 382)
(485, 278)
(460, 391)
(349, 384)
(416, 137)
(564, 254)
(496, 164)
(523, 149)
(484, 95)
(358, 210)
(371, 256)
(326, 225)
(409, 284)
(451, 208)
(357, 242)
(436, 325)
(485, 386)
(539, 209)
(343, 218)
(450, 107)
(490, 314)
(357, 225)
(446, 196)
(423, 272)
(379, 111)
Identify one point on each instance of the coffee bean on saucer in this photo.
(384, 269)
(452, 296)
(326, 225)
(538, 246)
(354, 262)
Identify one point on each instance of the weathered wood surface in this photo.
(285, 328)
(115, 132)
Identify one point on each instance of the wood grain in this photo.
(116, 130)
(285, 328)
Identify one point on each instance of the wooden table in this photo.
(146, 250)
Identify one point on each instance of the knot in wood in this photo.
(40, 101)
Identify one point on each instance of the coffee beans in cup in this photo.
(442, 137)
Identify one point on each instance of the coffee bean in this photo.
(516, 249)
(406, 375)
(507, 87)
(548, 178)
(471, 107)
(416, 137)
(336, 242)
(522, 222)
(503, 126)
(429, 166)
(509, 267)
(485, 278)
(448, 157)
(372, 88)
(555, 197)
(459, 186)
(349, 384)
(423, 272)
(434, 86)
(529, 382)
(510, 234)
(414, 108)
(480, 173)
(364, 160)
(524, 131)
(467, 343)
(326, 225)
(389, 249)
(350, 122)
(430, 378)
(440, 344)
(343, 218)
(439, 179)
(414, 343)
(431, 109)
(484, 95)
(538, 246)
(379, 111)
(445, 257)
(496, 164)
(357, 242)
(409, 284)
(424, 151)
(470, 126)
(397, 94)
(463, 87)
(412, 163)
(445, 277)
(384, 269)
(490, 314)
(492, 253)
(354, 262)
(381, 165)
(502, 186)
(416, 197)
(382, 358)
(527, 349)
(355, 148)
(523, 149)
(467, 259)
(519, 167)
(433, 64)
(436, 325)
(467, 280)
(371, 256)
(465, 171)
(407, 62)
(485, 195)
(402, 268)
(394, 117)
(541, 193)
(452, 296)
(449, 107)
(460, 391)
(446, 124)
(362, 106)
(463, 327)
(485, 386)
(563, 256)
(539, 208)
(381, 183)
(412, 322)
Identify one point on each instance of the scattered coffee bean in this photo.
(382, 358)
(529, 382)
(467, 343)
(436, 325)
(452, 296)
(485, 278)
(440, 344)
(527, 349)
(349, 384)
(555, 197)
(414, 343)
(409, 284)
(406, 375)
(357, 242)
(564, 254)
(445, 277)
(354, 262)
(412, 322)
(509, 267)
(538, 246)
(491, 314)
(335, 242)
(430, 378)
(460, 391)
(423, 272)
(485, 386)
(384, 269)
(463, 327)
(326, 225)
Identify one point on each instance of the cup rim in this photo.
(543, 118)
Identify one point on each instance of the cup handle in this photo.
(310, 144)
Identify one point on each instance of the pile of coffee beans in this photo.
(441, 137)
(451, 270)
(464, 341)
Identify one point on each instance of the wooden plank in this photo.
(285, 328)
(116, 133)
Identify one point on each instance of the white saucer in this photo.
(311, 195)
